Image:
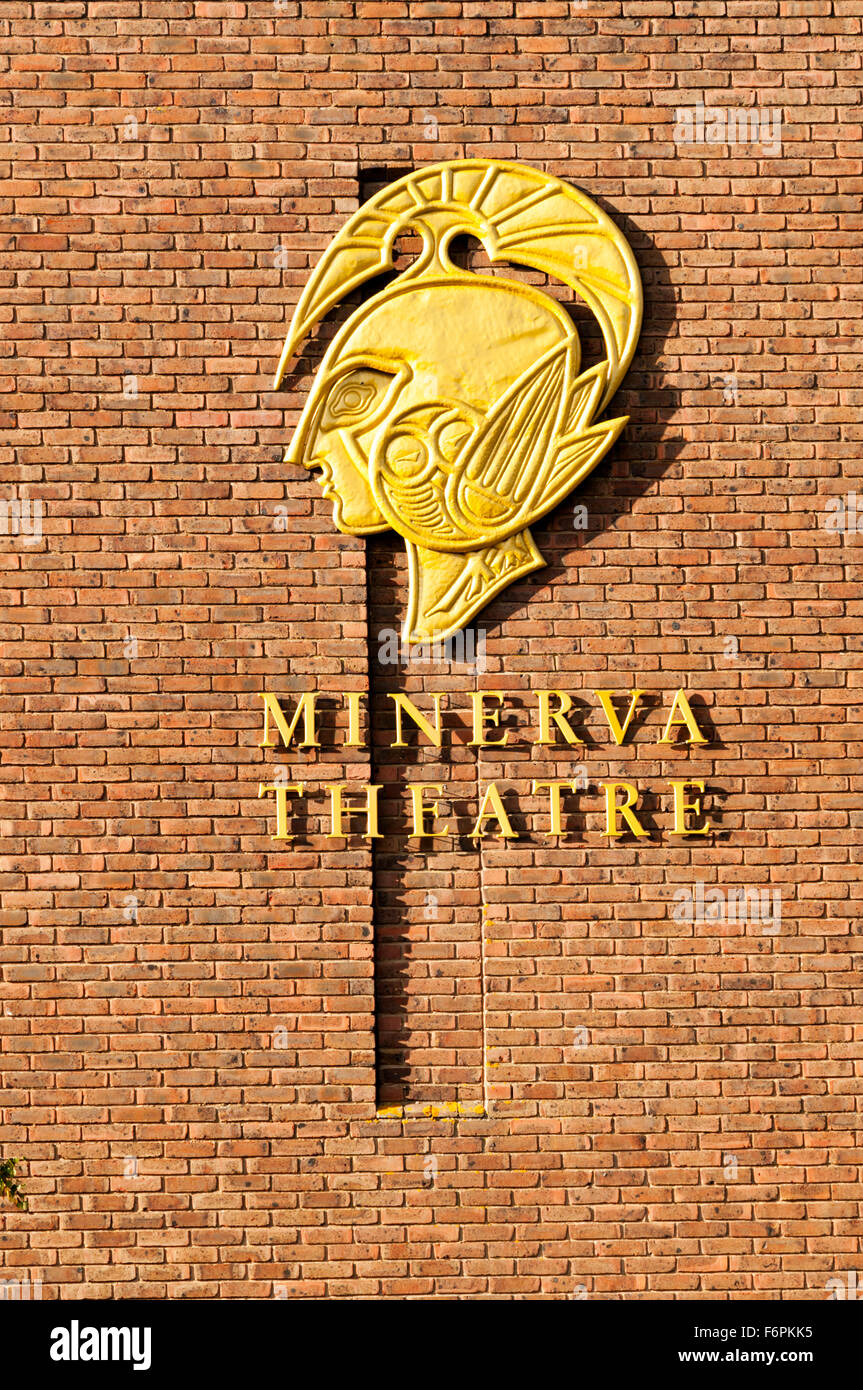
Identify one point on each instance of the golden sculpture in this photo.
(451, 406)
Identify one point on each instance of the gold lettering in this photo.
(612, 810)
(420, 811)
(339, 809)
(432, 732)
(492, 801)
(281, 789)
(481, 715)
(618, 730)
(554, 791)
(353, 739)
(547, 714)
(685, 717)
(681, 806)
(305, 707)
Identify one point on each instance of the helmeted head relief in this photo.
(450, 406)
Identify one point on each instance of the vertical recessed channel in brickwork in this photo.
(427, 903)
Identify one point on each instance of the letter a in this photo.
(684, 717)
(493, 806)
(60, 1344)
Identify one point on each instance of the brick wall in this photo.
(200, 1026)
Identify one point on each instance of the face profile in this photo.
(337, 442)
(451, 407)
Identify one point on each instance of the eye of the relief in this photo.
(351, 398)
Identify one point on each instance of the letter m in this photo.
(110, 1341)
(305, 708)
